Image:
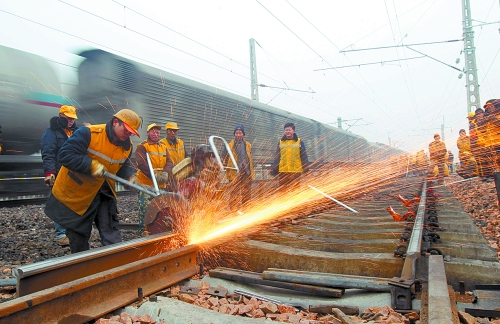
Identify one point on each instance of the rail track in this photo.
(328, 253)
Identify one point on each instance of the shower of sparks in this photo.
(208, 222)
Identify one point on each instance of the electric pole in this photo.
(253, 72)
(471, 83)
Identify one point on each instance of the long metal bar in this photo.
(256, 278)
(217, 156)
(327, 279)
(45, 274)
(415, 244)
(87, 298)
(152, 173)
(128, 183)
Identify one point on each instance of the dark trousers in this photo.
(241, 189)
(105, 225)
(289, 181)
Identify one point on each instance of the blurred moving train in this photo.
(30, 94)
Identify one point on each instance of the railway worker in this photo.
(463, 144)
(175, 146)
(437, 153)
(492, 112)
(422, 163)
(290, 159)
(61, 127)
(483, 154)
(175, 149)
(161, 163)
(450, 161)
(241, 181)
(81, 195)
(468, 166)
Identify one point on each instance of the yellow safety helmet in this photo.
(470, 114)
(130, 119)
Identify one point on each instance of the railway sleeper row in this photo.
(327, 243)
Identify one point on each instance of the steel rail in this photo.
(413, 251)
(90, 297)
(45, 274)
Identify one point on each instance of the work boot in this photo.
(63, 241)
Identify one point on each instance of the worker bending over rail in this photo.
(81, 195)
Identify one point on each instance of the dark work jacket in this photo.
(74, 156)
(52, 140)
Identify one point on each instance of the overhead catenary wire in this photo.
(401, 124)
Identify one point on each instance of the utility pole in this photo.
(253, 72)
(471, 83)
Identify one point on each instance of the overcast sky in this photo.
(299, 48)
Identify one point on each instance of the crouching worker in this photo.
(160, 162)
(81, 195)
(468, 166)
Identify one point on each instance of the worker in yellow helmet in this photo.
(175, 146)
(81, 195)
(175, 149)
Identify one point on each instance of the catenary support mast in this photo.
(253, 72)
(471, 82)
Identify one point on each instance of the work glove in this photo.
(161, 178)
(97, 169)
(50, 178)
(132, 179)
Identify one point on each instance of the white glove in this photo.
(97, 169)
(161, 178)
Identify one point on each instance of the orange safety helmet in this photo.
(130, 119)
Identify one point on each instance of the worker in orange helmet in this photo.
(61, 127)
(81, 195)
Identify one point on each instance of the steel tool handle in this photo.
(106, 174)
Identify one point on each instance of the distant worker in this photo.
(422, 163)
(160, 162)
(60, 129)
(468, 166)
(175, 149)
(451, 157)
(483, 153)
(81, 195)
(437, 153)
(290, 159)
(241, 182)
(463, 144)
(492, 112)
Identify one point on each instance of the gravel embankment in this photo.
(27, 234)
